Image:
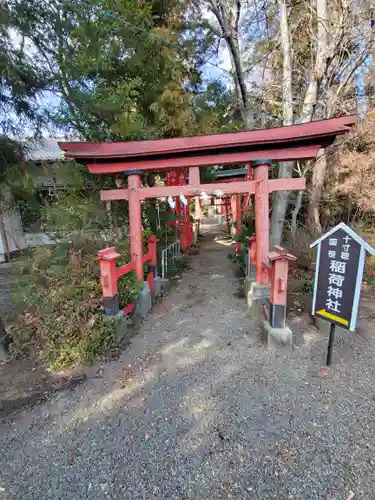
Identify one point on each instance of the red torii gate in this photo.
(296, 142)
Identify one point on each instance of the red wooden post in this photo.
(182, 238)
(152, 249)
(238, 216)
(227, 212)
(279, 259)
(194, 176)
(135, 222)
(253, 253)
(182, 225)
(181, 209)
(222, 206)
(232, 206)
(108, 275)
(262, 222)
(247, 201)
(249, 173)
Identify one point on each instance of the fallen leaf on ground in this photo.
(197, 409)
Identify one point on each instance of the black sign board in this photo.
(338, 277)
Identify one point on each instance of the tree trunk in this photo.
(280, 205)
(281, 198)
(308, 108)
(317, 72)
(295, 212)
(248, 119)
(317, 184)
(227, 14)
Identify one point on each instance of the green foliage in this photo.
(11, 156)
(58, 287)
(129, 288)
(178, 266)
(246, 232)
(125, 70)
(306, 287)
(76, 212)
(21, 80)
(236, 258)
(16, 182)
(62, 304)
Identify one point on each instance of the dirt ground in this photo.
(25, 383)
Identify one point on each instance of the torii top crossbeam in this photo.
(278, 144)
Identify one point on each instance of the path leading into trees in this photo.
(197, 409)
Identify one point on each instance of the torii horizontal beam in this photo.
(279, 138)
(285, 154)
(210, 189)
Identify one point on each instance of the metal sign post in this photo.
(338, 278)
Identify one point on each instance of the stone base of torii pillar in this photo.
(258, 303)
(277, 338)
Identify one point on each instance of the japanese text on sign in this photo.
(336, 277)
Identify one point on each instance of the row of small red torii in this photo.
(230, 207)
(249, 147)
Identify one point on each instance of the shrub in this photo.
(60, 291)
(236, 258)
(178, 266)
(300, 248)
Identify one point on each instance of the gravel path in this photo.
(197, 409)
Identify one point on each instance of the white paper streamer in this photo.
(183, 199)
(219, 192)
(204, 196)
(171, 202)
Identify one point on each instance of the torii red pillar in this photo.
(247, 201)
(238, 217)
(135, 222)
(262, 221)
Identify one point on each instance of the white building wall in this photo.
(13, 233)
